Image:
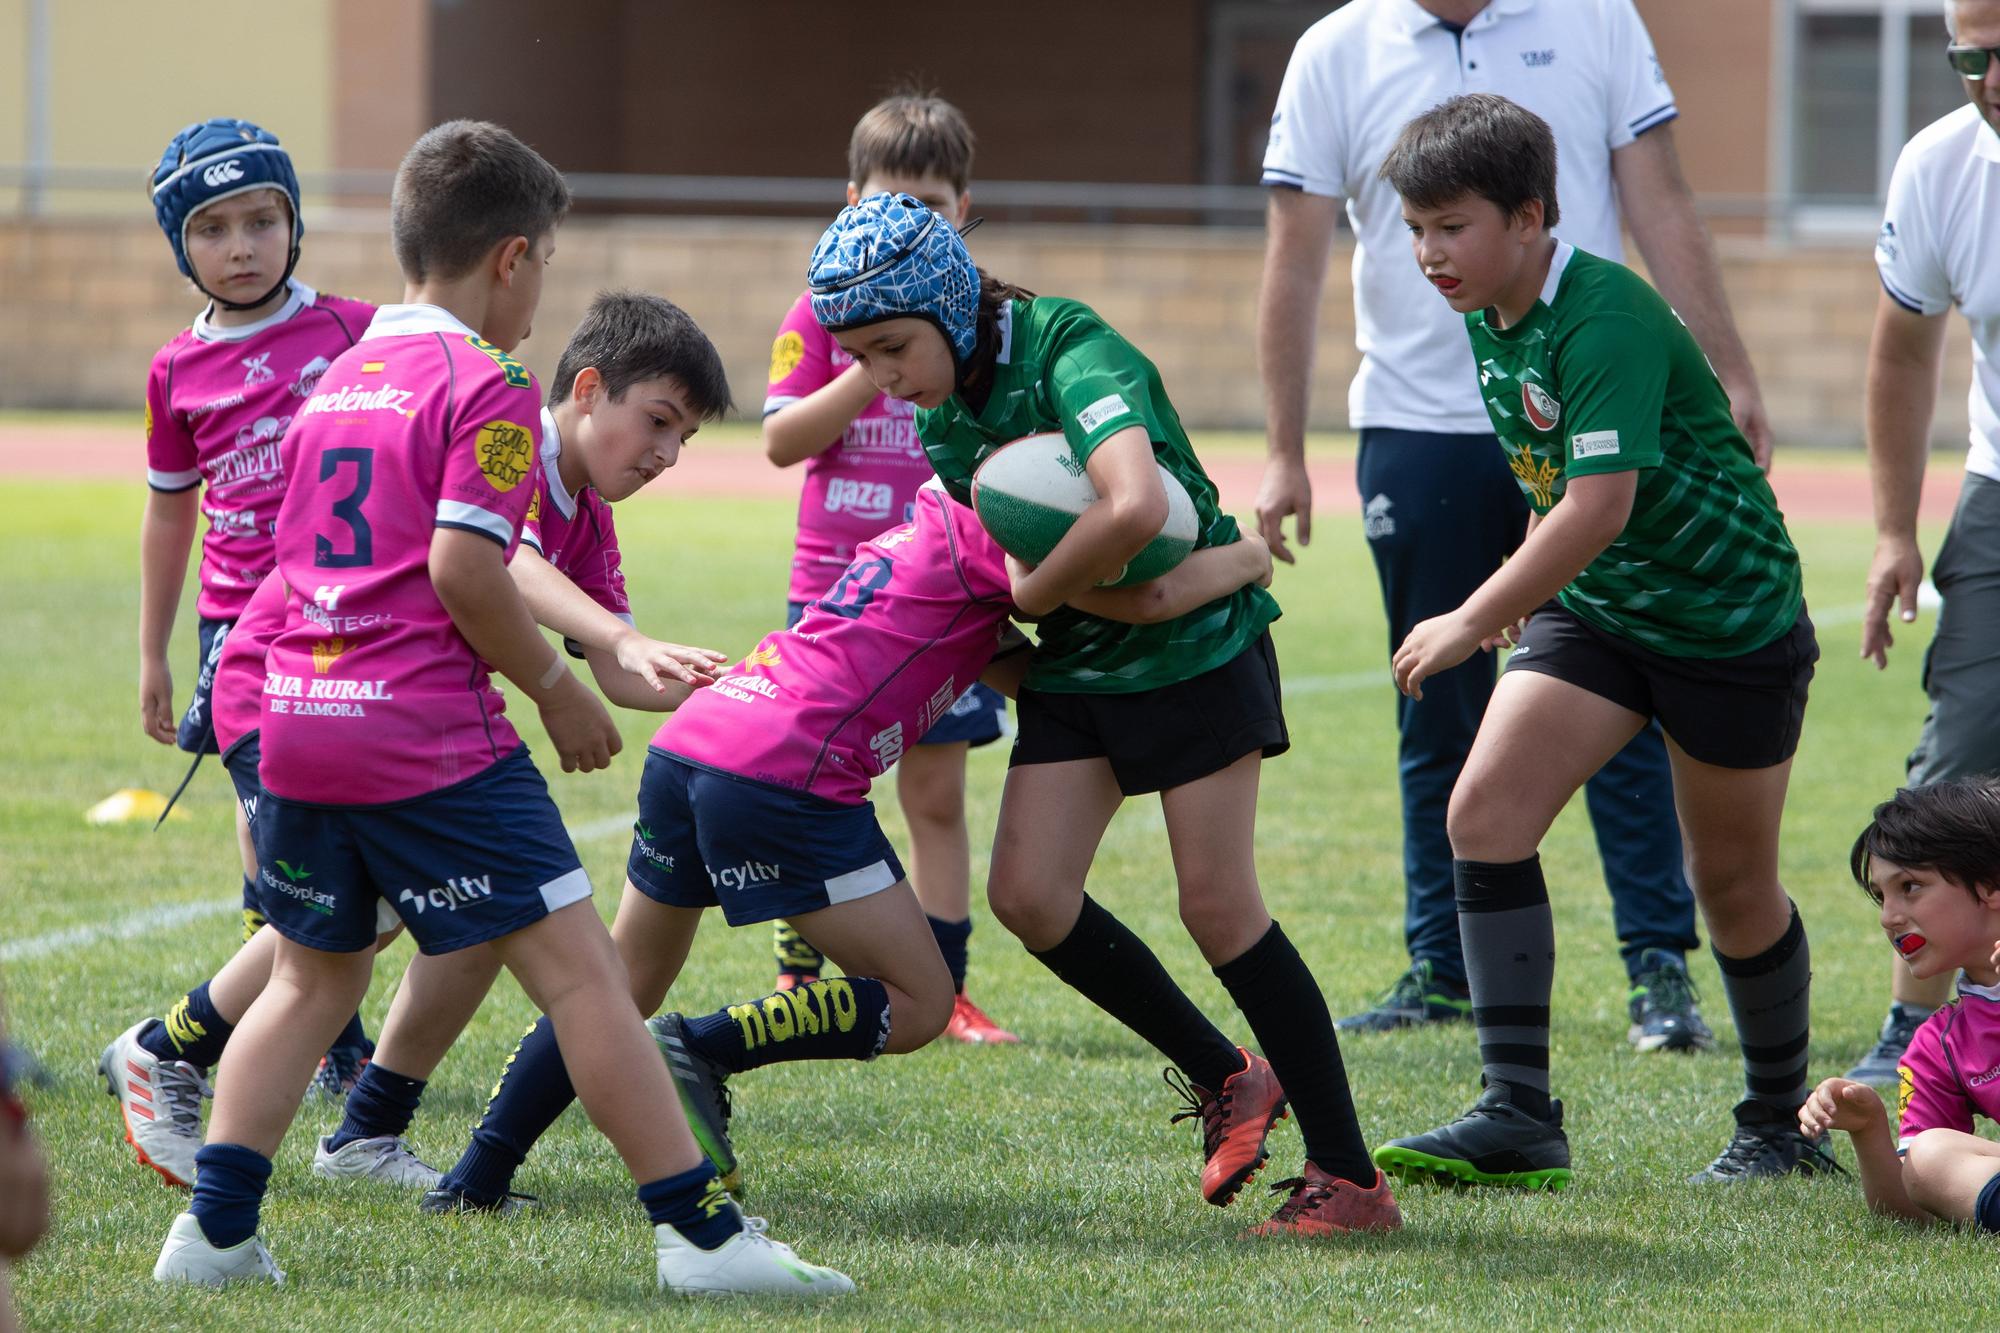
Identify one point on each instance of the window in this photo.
(1864, 76)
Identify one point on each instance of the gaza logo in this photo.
(1542, 409)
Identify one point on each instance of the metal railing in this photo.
(1009, 200)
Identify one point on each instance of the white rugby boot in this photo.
(751, 1263)
(385, 1158)
(188, 1257)
(160, 1101)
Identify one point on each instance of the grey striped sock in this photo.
(1769, 996)
(1509, 936)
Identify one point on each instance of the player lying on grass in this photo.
(389, 772)
(1930, 858)
(219, 396)
(635, 380)
(754, 800)
(1188, 708)
(1661, 583)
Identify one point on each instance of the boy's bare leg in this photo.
(439, 995)
(236, 985)
(568, 966)
(885, 936)
(653, 940)
(1947, 1171)
(271, 1058)
(930, 786)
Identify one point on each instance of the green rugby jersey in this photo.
(1061, 367)
(1602, 376)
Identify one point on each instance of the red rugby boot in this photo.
(1234, 1120)
(1324, 1205)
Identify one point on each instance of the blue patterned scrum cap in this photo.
(214, 159)
(890, 256)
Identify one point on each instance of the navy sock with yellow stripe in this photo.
(192, 1031)
(837, 1018)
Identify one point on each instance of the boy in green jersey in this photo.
(1657, 581)
(1188, 707)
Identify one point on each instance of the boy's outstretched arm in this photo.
(470, 574)
(632, 670)
(1591, 514)
(813, 424)
(1840, 1103)
(1204, 577)
(166, 534)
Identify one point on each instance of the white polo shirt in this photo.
(1363, 72)
(1940, 247)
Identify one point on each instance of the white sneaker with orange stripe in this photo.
(161, 1104)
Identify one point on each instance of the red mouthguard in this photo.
(1909, 944)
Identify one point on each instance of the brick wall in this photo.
(87, 302)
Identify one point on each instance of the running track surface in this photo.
(1817, 489)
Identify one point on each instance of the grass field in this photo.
(960, 1187)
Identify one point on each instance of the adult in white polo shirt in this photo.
(1939, 247)
(1440, 509)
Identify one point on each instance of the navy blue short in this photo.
(241, 761)
(196, 733)
(978, 717)
(469, 863)
(761, 853)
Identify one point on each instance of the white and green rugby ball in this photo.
(1028, 493)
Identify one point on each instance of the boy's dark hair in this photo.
(631, 337)
(1951, 827)
(465, 187)
(1479, 144)
(912, 134)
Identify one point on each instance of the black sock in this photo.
(952, 938)
(380, 1106)
(533, 1091)
(229, 1184)
(1277, 994)
(1510, 967)
(1986, 1215)
(192, 1031)
(694, 1204)
(1770, 999)
(835, 1018)
(794, 952)
(1113, 969)
(354, 1036)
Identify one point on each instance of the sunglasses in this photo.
(1971, 62)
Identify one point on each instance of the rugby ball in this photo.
(1029, 492)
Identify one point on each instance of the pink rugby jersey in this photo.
(1951, 1071)
(574, 533)
(239, 676)
(371, 695)
(217, 403)
(861, 486)
(829, 704)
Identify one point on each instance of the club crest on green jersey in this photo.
(1542, 409)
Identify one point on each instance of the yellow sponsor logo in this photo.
(1539, 475)
(149, 422)
(326, 652)
(506, 452)
(822, 1006)
(1906, 1088)
(764, 656)
(516, 373)
(371, 367)
(534, 509)
(786, 353)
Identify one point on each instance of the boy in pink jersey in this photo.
(863, 467)
(754, 800)
(389, 772)
(644, 376)
(1930, 859)
(218, 398)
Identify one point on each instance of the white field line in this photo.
(135, 924)
(131, 925)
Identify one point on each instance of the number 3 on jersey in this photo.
(348, 510)
(857, 587)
